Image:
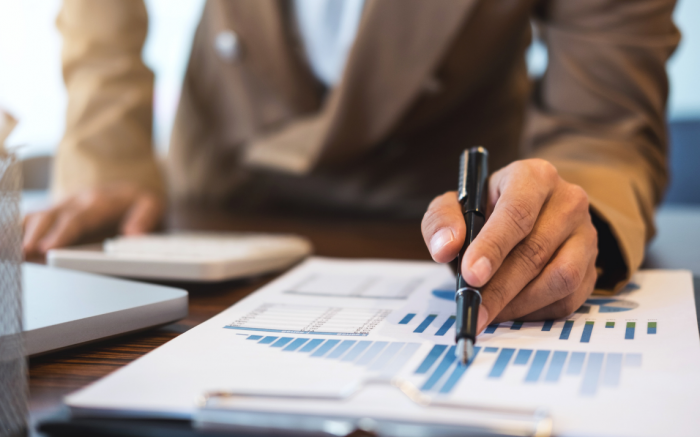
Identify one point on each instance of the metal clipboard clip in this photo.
(216, 413)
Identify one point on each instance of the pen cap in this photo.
(473, 178)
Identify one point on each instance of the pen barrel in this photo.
(472, 189)
(468, 300)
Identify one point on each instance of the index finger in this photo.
(519, 194)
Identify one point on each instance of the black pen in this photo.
(472, 195)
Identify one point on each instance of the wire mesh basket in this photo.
(13, 378)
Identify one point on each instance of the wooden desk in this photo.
(53, 376)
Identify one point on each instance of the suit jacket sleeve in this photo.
(108, 123)
(598, 115)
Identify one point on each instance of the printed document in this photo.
(623, 365)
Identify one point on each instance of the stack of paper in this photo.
(622, 365)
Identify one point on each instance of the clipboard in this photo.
(218, 413)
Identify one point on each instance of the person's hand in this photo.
(535, 256)
(135, 211)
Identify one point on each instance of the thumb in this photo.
(443, 227)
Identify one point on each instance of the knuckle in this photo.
(497, 297)
(543, 169)
(533, 253)
(578, 197)
(494, 245)
(521, 215)
(566, 278)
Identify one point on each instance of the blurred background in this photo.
(31, 85)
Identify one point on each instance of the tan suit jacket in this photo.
(424, 80)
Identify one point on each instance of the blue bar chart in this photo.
(382, 356)
(442, 372)
(576, 329)
(594, 369)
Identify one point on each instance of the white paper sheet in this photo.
(624, 365)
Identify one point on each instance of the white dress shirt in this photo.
(328, 29)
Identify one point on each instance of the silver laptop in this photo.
(64, 308)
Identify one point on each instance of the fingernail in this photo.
(440, 239)
(483, 319)
(479, 272)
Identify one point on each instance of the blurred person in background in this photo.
(363, 107)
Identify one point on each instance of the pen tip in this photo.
(465, 350)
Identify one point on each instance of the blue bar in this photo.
(587, 331)
(386, 356)
(446, 326)
(445, 294)
(576, 363)
(490, 349)
(425, 323)
(516, 326)
(407, 318)
(537, 366)
(548, 325)
(651, 328)
(523, 357)
(501, 362)
(445, 364)
(430, 359)
(356, 351)
(281, 342)
(296, 344)
(633, 360)
(613, 368)
(556, 366)
(629, 331)
(372, 352)
(323, 350)
(311, 345)
(457, 373)
(591, 375)
(267, 340)
(340, 350)
(491, 329)
(567, 330)
(254, 337)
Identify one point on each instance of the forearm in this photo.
(598, 115)
(108, 122)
